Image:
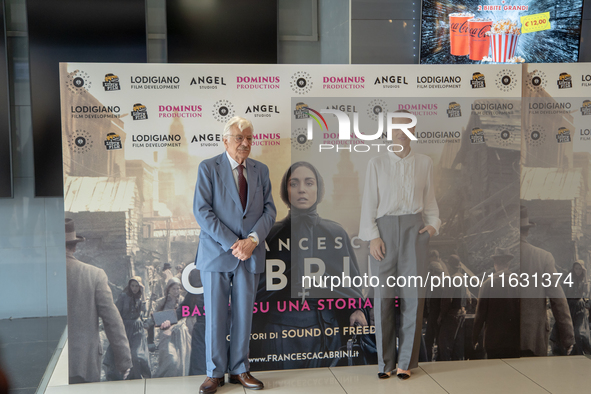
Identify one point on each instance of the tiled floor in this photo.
(555, 375)
(26, 346)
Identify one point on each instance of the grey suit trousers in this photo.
(406, 256)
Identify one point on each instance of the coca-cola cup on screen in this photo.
(459, 34)
(504, 37)
(479, 40)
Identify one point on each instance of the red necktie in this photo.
(242, 186)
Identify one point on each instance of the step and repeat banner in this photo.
(133, 137)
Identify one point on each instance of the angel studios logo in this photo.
(111, 83)
(223, 110)
(81, 142)
(506, 80)
(301, 82)
(78, 82)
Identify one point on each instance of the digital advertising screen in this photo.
(500, 31)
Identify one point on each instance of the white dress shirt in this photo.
(398, 186)
(234, 164)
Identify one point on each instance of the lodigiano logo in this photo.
(344, 132)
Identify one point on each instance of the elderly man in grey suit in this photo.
(89, 297)
(535, 328)
(235, 210)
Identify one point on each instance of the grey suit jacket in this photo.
(222, 219)
(89, 297)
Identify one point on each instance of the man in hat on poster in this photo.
(498, 311)
(235, 210)
(89, 297)
(535, 331)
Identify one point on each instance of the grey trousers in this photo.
(406, 255)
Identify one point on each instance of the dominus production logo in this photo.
(586, 108)
(301, 82)
(376, 108)
(81, 142)
(78, 82)
(113, 141)
(301, 111)
(505, 135)
(299, 139)
(478, 81)
(563, 135)
(454, 110)
(537, 80)
(535, 135)
(223, 110)
(140, 112)
(506, 80)
(111, 83)
(565, 81)
(477, 136)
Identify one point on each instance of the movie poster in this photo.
(134, 135)
(512, 31)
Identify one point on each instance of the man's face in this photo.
(398, 136)
(239, 150)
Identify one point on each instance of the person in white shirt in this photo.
(399, 215)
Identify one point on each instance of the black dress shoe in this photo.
(247, 380)
(211, 385)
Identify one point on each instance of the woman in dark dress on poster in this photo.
(309, 236)
(174, 341)
(131, 304)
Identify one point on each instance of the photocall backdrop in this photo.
(133, 136)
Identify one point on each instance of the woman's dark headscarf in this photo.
(284, 192)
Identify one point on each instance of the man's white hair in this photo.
(239, 122)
